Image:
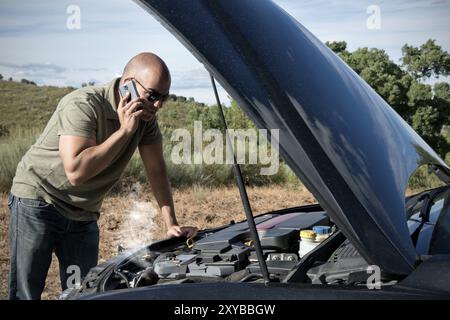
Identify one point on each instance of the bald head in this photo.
(149, 69)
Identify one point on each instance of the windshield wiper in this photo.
(243, 193)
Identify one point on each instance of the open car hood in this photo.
(345, 143)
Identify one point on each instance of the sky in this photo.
(68, 42)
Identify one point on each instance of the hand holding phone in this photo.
(129, 112)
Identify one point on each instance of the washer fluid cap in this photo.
(322, 229)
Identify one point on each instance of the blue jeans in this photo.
(37, 230)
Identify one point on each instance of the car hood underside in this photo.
(346, 144)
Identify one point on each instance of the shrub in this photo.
(4, 131)
(12, 148)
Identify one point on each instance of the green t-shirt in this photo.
(87, 112)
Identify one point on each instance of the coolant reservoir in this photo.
(307, 242)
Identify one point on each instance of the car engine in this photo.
(224, 255)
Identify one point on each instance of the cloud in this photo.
(35, 67)
(35, 33)
(91, 69)
(50, 17)
(205, 95)
(402, 21)
(35, 71)
(197, 78)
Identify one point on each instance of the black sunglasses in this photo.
(154, 95)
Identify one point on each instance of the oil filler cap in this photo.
(307, 234)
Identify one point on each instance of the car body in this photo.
(345, 143)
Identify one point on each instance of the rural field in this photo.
(131, 219)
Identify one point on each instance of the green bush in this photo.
(4, 131)
(421, 180)
(12, 148)
(135, 169)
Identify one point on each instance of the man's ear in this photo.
(123, 80)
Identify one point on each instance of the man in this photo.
(61, 181)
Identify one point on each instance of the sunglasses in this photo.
(153, 95)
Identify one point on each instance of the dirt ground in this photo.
(132, 219)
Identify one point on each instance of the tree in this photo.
(1, 77)
(426, 61)
(337, 46)
(426, 108)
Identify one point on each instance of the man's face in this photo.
(154, 89)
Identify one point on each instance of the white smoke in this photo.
(138, 228)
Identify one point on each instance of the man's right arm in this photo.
(83, 159)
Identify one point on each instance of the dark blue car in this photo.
(345, 143)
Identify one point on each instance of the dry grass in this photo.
(131, 219)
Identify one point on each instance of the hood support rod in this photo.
(243, 193)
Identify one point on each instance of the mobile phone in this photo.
(130, 87)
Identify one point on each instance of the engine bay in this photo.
(300, 246)
(227, 254)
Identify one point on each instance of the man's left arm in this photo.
(155, 167)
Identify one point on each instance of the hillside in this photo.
(26, 105)
(26, 109)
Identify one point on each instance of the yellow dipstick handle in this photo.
(190, 243)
